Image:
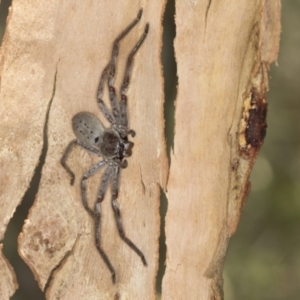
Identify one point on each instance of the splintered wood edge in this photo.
(8, 280)
(252, 126)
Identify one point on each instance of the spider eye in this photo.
(97, 139)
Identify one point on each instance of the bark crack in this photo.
(206, 13)
(59, 265)
(14, 227)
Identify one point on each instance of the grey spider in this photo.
(111, 144)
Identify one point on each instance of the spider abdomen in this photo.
(87, 128)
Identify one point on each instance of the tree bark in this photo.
(51, 59)
(223, 51)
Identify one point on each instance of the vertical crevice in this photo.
(4, 5)
(170, 92)
(28, 287)
(169, 73)
(162, 242)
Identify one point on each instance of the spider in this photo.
(111, 143)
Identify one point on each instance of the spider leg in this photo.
(114, 55)
(90, 149)
(126, 80)
(63, 160)
(115, 206)
(97, 218)
(68, 150)
(106, 112)
(94, 169)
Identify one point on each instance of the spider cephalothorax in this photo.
(111, 143)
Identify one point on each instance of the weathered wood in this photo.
(223, 51)
(53, 53)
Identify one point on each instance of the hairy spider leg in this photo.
(126, 80)
(93, 170)
(97, 218)
(88, 148)
(105, 110)
(68, 150)
(64, 158)
(115, 206)
(111, 76)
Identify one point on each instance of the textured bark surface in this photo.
(53, 54)
(223, 51)
(52, 57)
